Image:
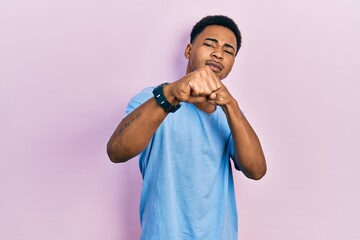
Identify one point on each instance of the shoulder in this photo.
(139, 99)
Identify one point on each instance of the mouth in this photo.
(214, 66)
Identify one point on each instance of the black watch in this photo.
(162, 101)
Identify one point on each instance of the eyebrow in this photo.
(216, 41)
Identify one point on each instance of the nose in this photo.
(217, 53)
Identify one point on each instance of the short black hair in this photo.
(220, 20)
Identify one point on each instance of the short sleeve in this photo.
(139, 99)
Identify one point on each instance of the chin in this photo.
(221, 77)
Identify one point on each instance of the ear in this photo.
(188, 51)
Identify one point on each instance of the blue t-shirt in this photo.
(188, 189)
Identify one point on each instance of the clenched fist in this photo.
(199, 86)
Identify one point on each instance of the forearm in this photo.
(135, 131)
(248, 151)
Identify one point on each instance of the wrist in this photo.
(165, 100)
(168, 93)
(231, 106)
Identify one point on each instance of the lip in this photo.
(215, 66)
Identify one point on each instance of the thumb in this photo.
(212, 96)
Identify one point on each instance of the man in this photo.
(187, 131)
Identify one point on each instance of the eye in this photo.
(209, 45)
(229, 52)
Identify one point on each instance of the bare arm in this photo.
(135, 131)
(248, 151)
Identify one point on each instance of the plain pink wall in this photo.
(68, 68)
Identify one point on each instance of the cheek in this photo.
(196, 60)
(228, 69)
(229, 65)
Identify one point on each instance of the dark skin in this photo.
(210, 59)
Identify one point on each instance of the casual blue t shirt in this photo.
(188, 189)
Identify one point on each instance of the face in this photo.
(215, 46)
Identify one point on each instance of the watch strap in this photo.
(162, 101)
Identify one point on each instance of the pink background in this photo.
(68, 68)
